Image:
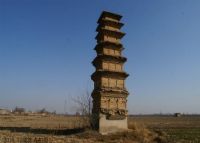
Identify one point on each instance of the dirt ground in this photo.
(73, 129)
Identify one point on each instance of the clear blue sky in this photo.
(46, 49)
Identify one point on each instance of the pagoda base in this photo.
(111, 126)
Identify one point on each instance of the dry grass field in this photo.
(72, 129)
(184, 129)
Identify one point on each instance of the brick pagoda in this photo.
(109, 94)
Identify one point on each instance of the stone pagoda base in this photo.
(112, 126)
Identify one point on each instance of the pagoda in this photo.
(109, 94)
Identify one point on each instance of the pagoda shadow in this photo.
(43, 131)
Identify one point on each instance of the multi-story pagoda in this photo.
(109, 94)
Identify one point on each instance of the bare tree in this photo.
(43, 110)
(84, 104)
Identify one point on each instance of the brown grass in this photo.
(183, 129)
(53, 129)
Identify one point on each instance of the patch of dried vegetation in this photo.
(138, 133)
(144, 135)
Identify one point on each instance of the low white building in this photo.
(4, 111)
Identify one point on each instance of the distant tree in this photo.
(54, 112)
(43, 110)
(77, 114)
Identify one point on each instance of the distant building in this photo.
(4, 111)
(18, 110)
(177, 114)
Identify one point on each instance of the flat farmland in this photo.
(55, 128)
(42, 129)
(43, 121)
(178, 129)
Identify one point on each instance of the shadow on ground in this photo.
(44, 131)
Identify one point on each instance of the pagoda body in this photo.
(109, 94)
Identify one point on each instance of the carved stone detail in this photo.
(113, 103)
(113, 111)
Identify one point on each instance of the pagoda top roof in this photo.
(109, 14)
(109, 23)
(105, 21)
